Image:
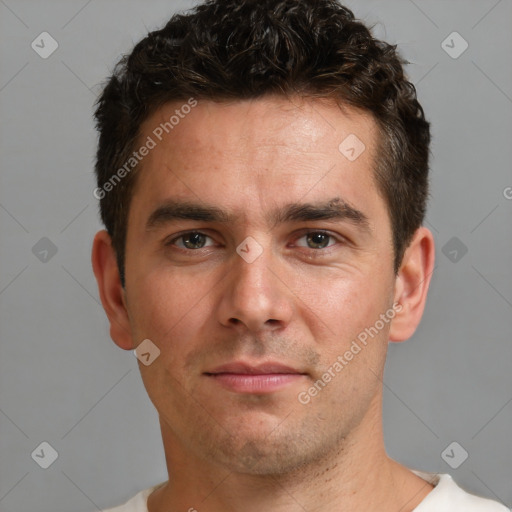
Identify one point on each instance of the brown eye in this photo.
(193, 240)
(317, 240)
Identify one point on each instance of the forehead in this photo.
(305, 125)
(247, 154)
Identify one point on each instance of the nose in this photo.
(254, 295)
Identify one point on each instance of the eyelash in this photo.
(339, 239)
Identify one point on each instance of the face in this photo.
(257, 253)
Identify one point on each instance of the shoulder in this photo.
(136, 504)
(447, 496)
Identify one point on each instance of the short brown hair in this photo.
(245, 49)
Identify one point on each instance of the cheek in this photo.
(168, 308)
(352, 354)
(345, 304)
(171, 313)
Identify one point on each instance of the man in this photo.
(262, 174)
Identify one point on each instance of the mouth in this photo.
(263, 378)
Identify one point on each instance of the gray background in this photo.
(64, 382)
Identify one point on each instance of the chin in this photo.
(260, 458)
(268, 452)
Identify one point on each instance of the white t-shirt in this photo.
(446, 496)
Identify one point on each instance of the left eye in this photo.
(192, 240)
(317, 240)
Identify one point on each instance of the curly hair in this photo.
(225, 50)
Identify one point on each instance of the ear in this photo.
(411, 285)
(112, 294)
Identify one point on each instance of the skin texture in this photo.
(300, 303)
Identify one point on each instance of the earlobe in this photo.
(412, 283)
(111, 292)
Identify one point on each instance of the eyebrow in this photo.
(335, 209)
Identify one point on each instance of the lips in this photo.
(262, 378)
(260, 369)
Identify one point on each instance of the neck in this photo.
(356, 475)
